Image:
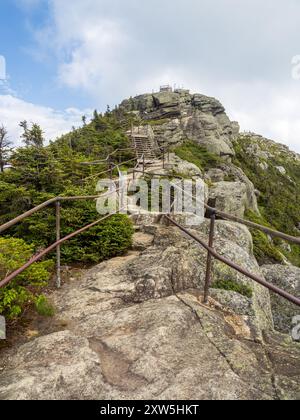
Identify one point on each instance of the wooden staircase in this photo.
(144, 143)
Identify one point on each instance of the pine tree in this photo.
(5, 147)
(33, 136)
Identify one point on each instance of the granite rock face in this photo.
(135, 328)
(182, 115)
(288, 279)
(179, 116)
(167, 349)
(230, 197)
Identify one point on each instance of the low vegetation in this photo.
(21, 291)
(264, 248)
(43, 172)
(279, 194)
(234, 286)
(198, 155)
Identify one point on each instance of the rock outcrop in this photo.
(135, 328)
(181, 115)
(287, 278)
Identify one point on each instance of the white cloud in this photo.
(113, 49)
(54, 123)
(239, 53)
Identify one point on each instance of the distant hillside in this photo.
(275, 172)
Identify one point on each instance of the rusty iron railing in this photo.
(213, 213)
(212, 253)
(57, 201)
(46, 251)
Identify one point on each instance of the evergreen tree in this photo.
(4, 147)
(33, 136)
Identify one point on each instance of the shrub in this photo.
(198, 155)
(233, 286)
(109, 239)
(21, 291)
(264, 248)
(44, 307)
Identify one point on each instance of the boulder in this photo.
(183, 168)
(168, 349)
(141, 241)
(288, 279)
(215, 175)
(135, 328)
(230, 197)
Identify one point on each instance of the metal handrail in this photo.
(57, 201)
(236, 267)
(98, 162)
(54, 200)
(46, 251)
(59, 241)
(264, 229)
(211, 252)
(223, 215)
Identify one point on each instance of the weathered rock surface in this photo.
(230, 197)
(187, 116)
(135, 328)
(183, 168)
(232, 191)
(288, 279)
(169, 348)
(142, 241)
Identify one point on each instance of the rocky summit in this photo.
(186, 116)
(135, 326)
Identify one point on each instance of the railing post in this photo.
(144, 164)
(110, 168)
(58, 253)
(164, 158)
(209, 257)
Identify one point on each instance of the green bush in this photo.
(265, 250)
(21, 291)
(198, 155)
(157, 122)
(233, 286)
(111, 238)
(279, 193)
(44, 307)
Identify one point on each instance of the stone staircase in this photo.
(144, 142)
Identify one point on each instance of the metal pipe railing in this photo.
(47, 203)
(236, 267)
(99, 162)
(223, 215)
(269, 231)
(209, 257)
(54, 200)
(209, 247)
(23, 216)
(46, 251)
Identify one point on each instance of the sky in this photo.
(66, 58)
